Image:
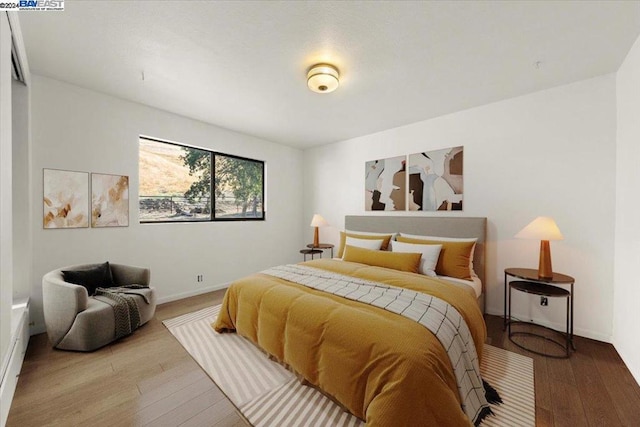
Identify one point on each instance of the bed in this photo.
(330, 322)
(461, 227)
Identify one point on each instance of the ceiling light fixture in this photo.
(323, 78)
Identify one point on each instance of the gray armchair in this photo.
(76, 321)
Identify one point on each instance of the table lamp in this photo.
(544, 229)
(317, 221)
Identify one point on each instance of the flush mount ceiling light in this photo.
(323, 78)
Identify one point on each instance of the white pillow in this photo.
(444, 239)
(430, 254)
(449, 239)
(374, 244)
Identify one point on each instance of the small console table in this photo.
(532, 284)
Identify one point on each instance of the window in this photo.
(239, 187)
(176, 184)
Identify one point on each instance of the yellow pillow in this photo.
(403, 261)
(343, 237)
(454, 256)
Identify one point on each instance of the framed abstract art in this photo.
(436, 180)
(109, 200)
(426, 181)
(385, 184)
(65, 199)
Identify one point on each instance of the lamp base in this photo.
(544, 265)
(316, 238)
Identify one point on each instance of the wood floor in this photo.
(144, 379)
(149, 379)
(591, 388)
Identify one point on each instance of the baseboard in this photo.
(176, 297)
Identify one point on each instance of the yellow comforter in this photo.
(384, 368)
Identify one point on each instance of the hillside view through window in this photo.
(176, 184)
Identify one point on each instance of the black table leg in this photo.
(504, 326)
(509, 320)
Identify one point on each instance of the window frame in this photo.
(212, 156)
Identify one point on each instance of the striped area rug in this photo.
(269, 395)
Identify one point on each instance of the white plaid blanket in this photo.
(442, 319)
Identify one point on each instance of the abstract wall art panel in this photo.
(435, 180)
(385, 184)
(66, 199)
(109, 200)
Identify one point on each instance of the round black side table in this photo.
(546, 291)
(311, 252)
(322, 246)
(531, 283)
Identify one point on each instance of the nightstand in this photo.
(535, 285)
(322, 246)
(311, 252)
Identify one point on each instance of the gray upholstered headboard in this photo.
(430, 226)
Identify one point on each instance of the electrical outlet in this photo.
(544, 301)
(199, 278)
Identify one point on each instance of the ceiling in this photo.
(242, 65)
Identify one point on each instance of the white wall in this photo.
(81, 130)
(627, 250)
(548, 153)
(21, 191)
(6, 226)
